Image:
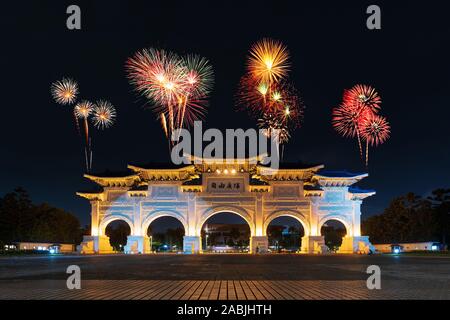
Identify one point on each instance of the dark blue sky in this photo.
(331, 49)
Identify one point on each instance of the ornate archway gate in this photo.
(193, 193)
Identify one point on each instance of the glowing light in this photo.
(276, 96)
(263, 88)
(225, 171)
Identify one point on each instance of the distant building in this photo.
(407, 247)
(45, 246)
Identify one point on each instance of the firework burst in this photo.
(268, 61)
(177, 86)
(375, 129)
(64, 91)
(362, 96)
(104, 114)
(266, 93)
(83, 109)
(358, 117)
(346, 119)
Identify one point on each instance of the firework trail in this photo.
(103, 114)
(375, 130)
(82, 111)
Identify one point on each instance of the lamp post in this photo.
(151, 244)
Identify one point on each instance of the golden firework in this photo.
(268, 60)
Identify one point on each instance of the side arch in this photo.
(208, 213)
(114, 217)
(342, 219)
(287, 213)
(152, 216)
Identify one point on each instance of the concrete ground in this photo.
(225, 276)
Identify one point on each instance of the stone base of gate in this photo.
(313, 244)
(137, 244)
(95, 244)
(192, 244)
(359, 244)
(259, 244)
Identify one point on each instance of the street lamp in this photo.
(151, 244)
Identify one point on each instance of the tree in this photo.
(408, 218)
(21, 220)
(275, 233)
(118, 232)
(440, 201)
(15, 216)
(235, 234)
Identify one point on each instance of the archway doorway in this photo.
(285, 235)
(333, 232)
(166, 235)
(118, 231)
(225, 232)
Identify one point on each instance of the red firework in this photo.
(347, 119)
(375, 129)
(177, 86)
(363, 96)
(357, 117)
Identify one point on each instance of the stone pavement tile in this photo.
(222, 290)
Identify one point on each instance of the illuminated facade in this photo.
(194, 193)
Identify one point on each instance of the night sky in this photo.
(331, 49)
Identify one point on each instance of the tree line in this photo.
(22, 220)
(412, 218)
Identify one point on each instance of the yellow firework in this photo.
(268, 60)
(64, 91)
(84, 109)
(104, 114)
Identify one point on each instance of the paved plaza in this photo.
(225, 277)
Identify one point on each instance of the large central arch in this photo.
(287, 213)
(208, 213)
(152, 216)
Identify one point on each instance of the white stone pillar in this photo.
(137, 244)
(259, 244)
(356, 218)
(313, 244)
(192, 244)
(259, 217)
(137, 219)
(95, 223)
(95, 244)
(359, 244)
(313, 218)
